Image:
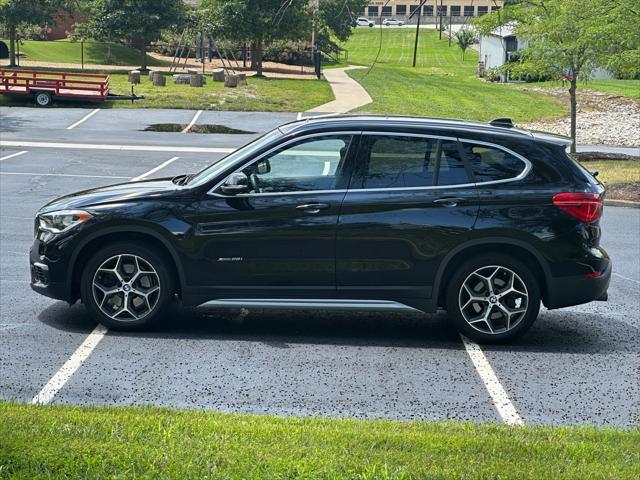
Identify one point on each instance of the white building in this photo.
(496, 49)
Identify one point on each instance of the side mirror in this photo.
(263, 167)
(235, 183)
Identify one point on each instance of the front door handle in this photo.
(313, 207)
(449, 201)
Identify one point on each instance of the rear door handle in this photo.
(313, 207)
(449, 201)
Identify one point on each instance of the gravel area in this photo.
(603, 118)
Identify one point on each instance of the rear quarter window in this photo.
(492, 163)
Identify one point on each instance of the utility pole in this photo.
(439, 19)
(415, 46)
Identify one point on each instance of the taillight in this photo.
(586, 207)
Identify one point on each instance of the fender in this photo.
(486, 241)
(128, 229)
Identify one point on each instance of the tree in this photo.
(257, 21)
(569, 38)
(140, 21)
(336, 17)
(15, 14)
(465, 37)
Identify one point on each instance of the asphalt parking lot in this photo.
(577, 365)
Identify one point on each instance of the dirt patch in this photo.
(624, 191)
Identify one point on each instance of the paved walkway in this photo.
(349, 93)
(633, 151)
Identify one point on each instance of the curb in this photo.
(622, 203)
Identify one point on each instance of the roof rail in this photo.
(501, 122)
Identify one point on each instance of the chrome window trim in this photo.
(527, 168)
(212, 191)
(522, 175)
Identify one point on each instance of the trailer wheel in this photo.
(43, 99)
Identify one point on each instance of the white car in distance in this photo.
(390, 22)
(364, 22)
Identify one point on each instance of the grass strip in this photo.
(151, 442)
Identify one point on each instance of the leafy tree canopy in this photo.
(136, 20)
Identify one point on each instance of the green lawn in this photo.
(612, 172)
(63, 51)
(150, 442)
(261, 94)
(443, 85)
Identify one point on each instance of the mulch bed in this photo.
(624, 191)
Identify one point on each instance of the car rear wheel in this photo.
(127, 286)
(493, 299)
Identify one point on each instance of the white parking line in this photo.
(193, 121)
(61, 175)
(83, 119)
(93, 146)
(625, 278)
(327, 168)
(154, 170)
(63, 375)
(7, 157)
(506, 410)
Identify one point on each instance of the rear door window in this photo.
(398, 161)
(491, 163)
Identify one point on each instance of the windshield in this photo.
(217, 168)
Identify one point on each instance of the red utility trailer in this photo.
(47, 86)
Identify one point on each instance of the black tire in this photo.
(522, 323)
(160, 303)
(43, 99)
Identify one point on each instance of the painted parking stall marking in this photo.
(83, 119)
(154, 170)
(193, 122)
(63, 375)
(72, 175)
(97, 146)
(13, 155)
(506, 410)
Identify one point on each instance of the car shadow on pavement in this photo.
(554, 332)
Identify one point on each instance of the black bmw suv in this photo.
(367, 212)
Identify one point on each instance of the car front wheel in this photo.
(493, 299)
(127, 286)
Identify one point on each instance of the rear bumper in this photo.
(568, 291)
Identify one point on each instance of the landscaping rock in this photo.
(242, 79)
(602, 118)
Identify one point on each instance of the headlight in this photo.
(63, 220)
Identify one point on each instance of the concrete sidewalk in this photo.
(349, 93)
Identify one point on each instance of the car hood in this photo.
(125, 192)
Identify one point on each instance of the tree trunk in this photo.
(259, 58)
(143, 49)
(253, 56)
(12, 45)
(573, 102)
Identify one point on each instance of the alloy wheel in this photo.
(493, 299)
(126, 287)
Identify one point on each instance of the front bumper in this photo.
(49, 278)
(576, 290)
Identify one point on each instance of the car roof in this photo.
(368, 122)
